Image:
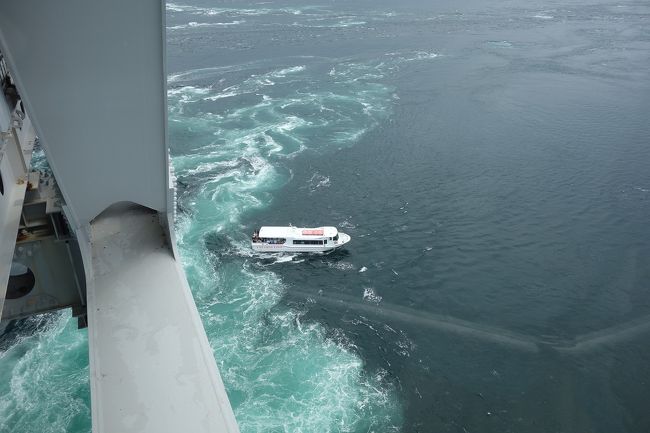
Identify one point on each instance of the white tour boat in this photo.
(298, 239)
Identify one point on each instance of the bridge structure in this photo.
(86, 82)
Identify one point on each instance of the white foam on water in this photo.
(194, 24)
(363, 269)
(267, 353)
(286, 71)
(404, 345)
(208, 73)
(318, 181)
(416, 55)
(351, 23)
(370, 295)
(272, 361)
(332, 25)
(221, 96)
(341, 266)
(500, 44)
(251, 85)
(347, 225)
(178, 8)
(44, 382)
(283, 258)
(210, 166)
(280, 376)
(186, 92)
(197, 10)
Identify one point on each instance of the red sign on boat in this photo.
(313, 232)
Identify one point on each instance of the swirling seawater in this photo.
(488, 159)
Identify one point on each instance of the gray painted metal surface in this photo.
(146, 335)
(46, 248)
(15, 154)
(92, 76)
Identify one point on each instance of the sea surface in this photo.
(490, 160)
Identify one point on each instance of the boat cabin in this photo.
(297, 239)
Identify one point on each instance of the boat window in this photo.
(307, 242)
(274, 241)
(2, 186)
(336, 238)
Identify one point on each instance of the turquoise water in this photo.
(488, 159)
(44, 377)
(231, 158)
(232, 147)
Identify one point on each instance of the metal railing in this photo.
(4, 72)
(7, 85)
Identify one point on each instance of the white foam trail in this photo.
(212, 72)
(284, 259)
(286, 71)
(420, 55)
(178, 8)
(253, 84)
(335, 25)
(187, 90)
(221, 96)
(342, 266)
(197, 10)
(194, 24)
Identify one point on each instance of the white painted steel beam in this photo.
(152, 369)
(15, 154)
(92, 77)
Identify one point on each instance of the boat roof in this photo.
(297, 232)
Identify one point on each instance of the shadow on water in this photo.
(578, 345)
(226, 249)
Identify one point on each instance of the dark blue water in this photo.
(490, 161)
(498, 201)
